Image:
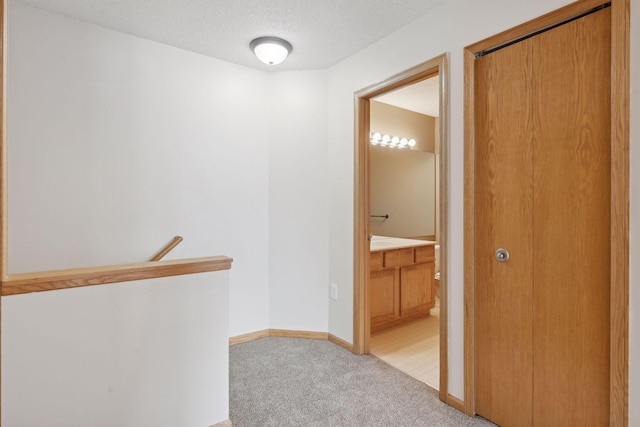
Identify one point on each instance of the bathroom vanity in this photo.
(402, 285)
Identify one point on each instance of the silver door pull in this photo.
(502, 255)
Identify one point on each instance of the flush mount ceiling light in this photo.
(271, 50)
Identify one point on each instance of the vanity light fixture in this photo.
(271, 50)
(376, 138)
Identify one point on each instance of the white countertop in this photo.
(383, 243)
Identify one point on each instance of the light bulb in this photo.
(412, 142)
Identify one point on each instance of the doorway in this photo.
(417, 301)
(545, 194)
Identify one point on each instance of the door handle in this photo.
(502, 255)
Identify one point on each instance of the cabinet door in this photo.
(384, 296)
(416, 289)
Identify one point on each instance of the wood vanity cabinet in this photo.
(402, 285)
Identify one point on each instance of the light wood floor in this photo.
(413, 348)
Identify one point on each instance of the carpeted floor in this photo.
(300, 382)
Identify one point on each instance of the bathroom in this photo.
(404, 195)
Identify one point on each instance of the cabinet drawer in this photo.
(398, 258)
(375, 261)
(425, 254)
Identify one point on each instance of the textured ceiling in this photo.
(322, 32)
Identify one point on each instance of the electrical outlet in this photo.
(334, 291)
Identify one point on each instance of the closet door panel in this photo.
(503, 209)
(571, 225)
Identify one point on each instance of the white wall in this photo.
(298, 201)
(117, 144)
(449, 28)
(147, 353)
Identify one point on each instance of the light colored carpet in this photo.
(300, 382)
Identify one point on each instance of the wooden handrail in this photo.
(165, 250)
(65, 279)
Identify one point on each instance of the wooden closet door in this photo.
(571, 225)
(542, 192)
(503, 206)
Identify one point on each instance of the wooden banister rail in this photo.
(73, 278)
(166, 249)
